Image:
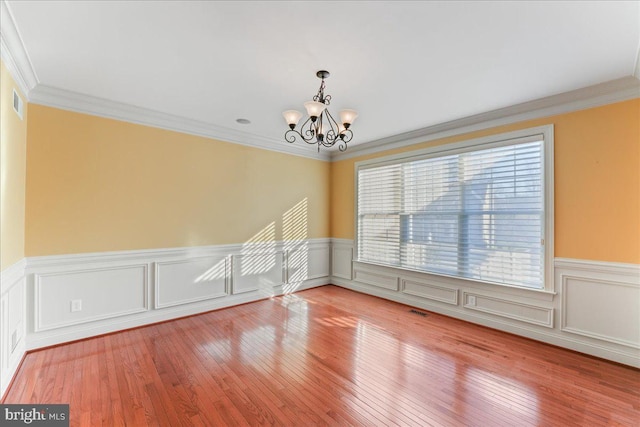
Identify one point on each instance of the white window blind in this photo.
(477, 214)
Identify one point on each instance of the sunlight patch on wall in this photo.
(295, 232)
(294, 222)
(218, 271)
(259, 252)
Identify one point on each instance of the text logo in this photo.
(34, 415)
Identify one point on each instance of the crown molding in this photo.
(17, 60)
(592, 96)
(13, 53)
(86, 104)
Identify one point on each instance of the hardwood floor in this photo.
(326, 356)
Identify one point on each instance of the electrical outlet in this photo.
(76, 305)
(471, 300)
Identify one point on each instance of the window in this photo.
(476, 210)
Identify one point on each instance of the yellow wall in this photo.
(95, 184)
(13, 143)
(597, 182)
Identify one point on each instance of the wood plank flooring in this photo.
(326, 356)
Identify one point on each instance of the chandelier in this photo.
(320, 127)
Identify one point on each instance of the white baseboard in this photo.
(596, 309)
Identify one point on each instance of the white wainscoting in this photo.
(101, 293)
(431, 291)
(596, 309)
(364, 274)
(255, 271)
(527, 313)
(601, 301)
(120, 290)
(341, 259)
(202, 278)
(306, 262)
(12, 322)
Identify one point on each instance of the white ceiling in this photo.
(402, 65)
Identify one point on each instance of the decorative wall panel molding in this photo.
(597, 304)
(257, 271)
(601, 301)
(341, 259)
(430, 291)
(200, 278)
(375, 278)
(112, 291)
(75, 297)
(542, 316)
(306, 262)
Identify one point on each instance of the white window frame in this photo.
(545, 133)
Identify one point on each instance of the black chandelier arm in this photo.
(306, 133)
(345, 137)
(291, 135)
(332, 132)
(342, 139)
(332, 136)
(327, 143)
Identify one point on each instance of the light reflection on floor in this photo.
(384, 370)
(399, 361)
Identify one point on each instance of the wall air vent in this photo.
(18, 105)
(419, 313)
